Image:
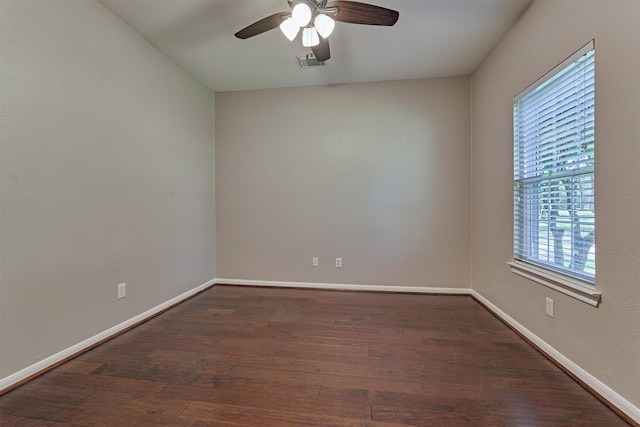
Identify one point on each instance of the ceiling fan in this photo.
(317, 20)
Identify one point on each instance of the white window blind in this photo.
(554, 139)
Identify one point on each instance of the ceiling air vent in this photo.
(309, 61)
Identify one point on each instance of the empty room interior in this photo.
(197, 230)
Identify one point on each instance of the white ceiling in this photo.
(432, 38)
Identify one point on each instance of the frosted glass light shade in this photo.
(310, 37)
(324, 24)
(301, 14)
(290, 28)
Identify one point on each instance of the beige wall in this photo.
(375, 173)
(604, 341)
(106, 177)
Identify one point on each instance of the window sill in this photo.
(571, 287)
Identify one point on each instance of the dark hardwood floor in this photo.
(283, 357)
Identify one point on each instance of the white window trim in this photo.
(563, 284)
(582, 291)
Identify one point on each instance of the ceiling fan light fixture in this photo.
(289, 28)
(301, 14)
(324, 24)
(310, 37)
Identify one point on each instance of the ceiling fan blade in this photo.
(362, 13)
(321, 50)
(265, 24)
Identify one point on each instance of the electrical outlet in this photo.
(549, 307)
(122, 290)
(314, 261)
(338, 262)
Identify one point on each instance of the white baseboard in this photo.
(77, 348)
(345, 287)
(598, 386)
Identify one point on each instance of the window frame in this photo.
(579, 286)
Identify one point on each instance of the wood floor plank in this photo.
(134, 404)
(346, 381)
(244, 356)
(259, 417)
(18, 421)
(272, 398)
(389, 370)
(39, 409)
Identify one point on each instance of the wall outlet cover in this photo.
(549, 307)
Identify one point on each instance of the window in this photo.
(554, 217)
